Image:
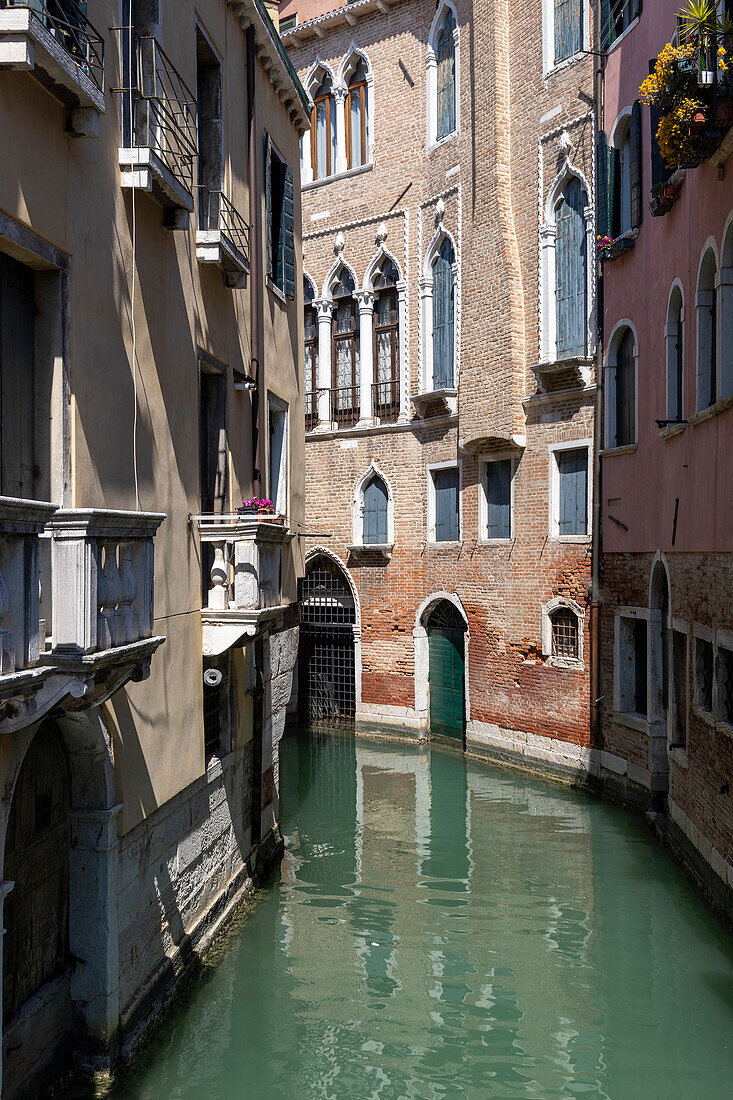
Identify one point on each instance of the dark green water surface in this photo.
(439, 929)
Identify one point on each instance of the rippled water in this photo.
(440, 929)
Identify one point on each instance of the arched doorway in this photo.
(659, 645)
(326, 658)
(446, 631)
(36, 912)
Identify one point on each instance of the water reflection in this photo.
(440, 930)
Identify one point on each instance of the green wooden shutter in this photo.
(659, 171)
(570, 272)
(499, 498)
(288, 234)
(268, 206)
(572, 467)
(447, 525)
(603, 225)
(614, 192)
(608, 26)
(637, 205)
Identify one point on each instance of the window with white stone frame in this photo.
(496, 498)
(675, 348)
(277, 452)
(563, 623)
(570, 490)
(444, 502)
(712, 673)
(566, 31)
(442, 63)
(373, 512)
(438, 307)
(631, 663)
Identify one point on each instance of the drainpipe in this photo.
(595, 606)
(255, 277)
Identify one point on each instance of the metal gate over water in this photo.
(327, 675)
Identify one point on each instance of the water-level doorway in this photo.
(326, 659)
(446, 671)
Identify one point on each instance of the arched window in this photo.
(623, 197)
(310, 355)
(375, 528)
(571, 299)
(621, 389)
(345, 355)
(386, 343)
(562, 633)
(725, 311)
(446, 57)
(673, 335)
(323, 130)
(357, 117)
(707, 332)
(443, 316)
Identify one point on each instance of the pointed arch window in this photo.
(707, 332)
(345, 392)
(323, 130)
(375, 529)
(675, 357)
(357, 117)
(446, 58)
(443, 316)
(310, 355)
(621, 389)
(386, 343)
(571, 278)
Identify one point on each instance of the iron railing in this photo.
(157, 108)
(311, 410)
(386, 400)
(68, 24)
(345, 405)
(218, 213)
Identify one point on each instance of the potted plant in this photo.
(664, 196)
(256, 506)
(698, 27)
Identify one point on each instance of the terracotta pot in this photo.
(669, 192)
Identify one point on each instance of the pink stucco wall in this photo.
(640, 489)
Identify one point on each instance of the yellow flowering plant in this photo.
(675, 134)
(662, 81)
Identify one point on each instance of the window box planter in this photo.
(662, 202)
(616, 248)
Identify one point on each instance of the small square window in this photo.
(704, 674)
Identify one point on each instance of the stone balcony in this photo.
(90, 630)
(244, 594)
(60, 49)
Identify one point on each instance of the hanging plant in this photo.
(679, 131)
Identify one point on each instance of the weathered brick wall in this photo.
(493, 177)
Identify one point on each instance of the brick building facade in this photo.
(448, 181)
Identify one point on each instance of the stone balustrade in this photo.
(21, 523)
(244, 588)
(102, 578)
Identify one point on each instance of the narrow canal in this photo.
(440, 929)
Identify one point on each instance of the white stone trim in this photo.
(357, 506)
(549, 65)
(422, 656)
(431, 73)
(425, 283)
(453, 463)
(554, 489)
(579, 612)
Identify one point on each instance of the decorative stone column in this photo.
(339, 124)
(404, 415)
(426, 333)
(547, 313)
(365, 299)
(324, 307)
(93, 931)
(431, 71)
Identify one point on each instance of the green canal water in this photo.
(440, 929)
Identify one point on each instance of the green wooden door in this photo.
(446, 678)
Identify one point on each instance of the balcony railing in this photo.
(158, 120)
(223, 236)
(89, 574)
(244, 587)
(67, 22)
(386, 400)
(345, 405)
(311, 410)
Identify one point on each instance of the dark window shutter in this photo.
(637, 206)
(447, 525)
(640, 701)
(568, 28)
(634, 9)
(443, 318)
(572, 467)
(625, 392)
(375, 512)
(268, 206)
(499, 499)
(608, 26)
(614, 192)
(602, 220)
(288, 228)
(570, 272)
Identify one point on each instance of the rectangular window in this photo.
(568, 29)
(288, 23)
(725, 684)
(278, 455)
(678, 708)
(447, 526)
(704, 674)
(632, 671)
(497, 487)
(280, 223)
(572, 491)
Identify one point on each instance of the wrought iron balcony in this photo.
(56, 43)
(243, 593)
(386, 400)
(92, 628)
(222, 237)
(158, 126)
(345, 405)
